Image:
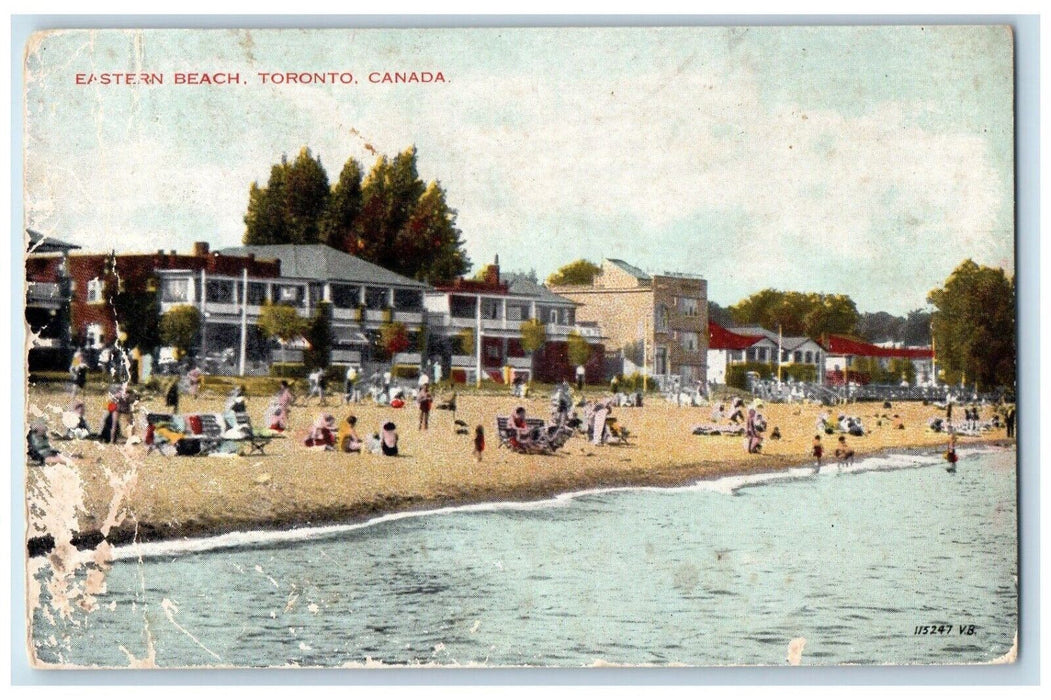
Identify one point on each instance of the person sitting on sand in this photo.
(844, 454)
(322, 434)
(519, 427)
(817, 450)
(110, 431)
(717, 413)
(74, 422)
(39, 448)
(275, 418)
(776, 434)
(236, 400)
(389, 440)
(347, 438)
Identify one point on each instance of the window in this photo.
(289, 294)
(462, 307)
(377, 297)
(688, 341)
(220, 291)
(408, 300)
(517, 312)
(93, 335)
(552, 315)
(176, 291)
(490, 309)
(346, 296)
(660, 363)
(797, 356)
(661, 319)
(809, 357)
(688, 306)
(762, 354)
(95, 291)
(317, 293)
(256, 293)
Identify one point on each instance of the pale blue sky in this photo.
(862, 160)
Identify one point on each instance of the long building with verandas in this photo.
(477, 326)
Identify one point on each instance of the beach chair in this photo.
(255, 440)
(503, 431)
(152, 440)
(206, 429)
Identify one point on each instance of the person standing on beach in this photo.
(350, 385)
(1009, 421)
(844, 454)
(479, 442)
(818, 450)
(171, 395)
(193, 381)
(284, 399)
(424, 401)
(581, 373)
(755, 442)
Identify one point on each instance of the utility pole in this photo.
(244, 321)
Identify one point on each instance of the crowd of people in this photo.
(571, 414)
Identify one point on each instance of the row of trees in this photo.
(389, 217)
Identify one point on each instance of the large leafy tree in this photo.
(798, 313)
(394, 338)
(577, 272)
(973, 326)
(179, 326)
(533, 335)
(577, 349)
(306, 198)
(917, 329)
(344, 207)
(282, 322)
(881, 327)
(290, 208)
(389, 216)
(319, 337)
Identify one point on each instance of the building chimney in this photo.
(200, 248)
(492, 272)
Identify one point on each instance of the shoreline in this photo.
(667, 475)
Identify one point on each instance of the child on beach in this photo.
(844, 454)
(424, 401)
(479, 442)
(950, 453)
(817, 450)
(347, 438)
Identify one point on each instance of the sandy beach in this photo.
(127, 494)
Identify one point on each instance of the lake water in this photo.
(724, 572)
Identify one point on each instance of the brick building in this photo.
(667, 315)
(94, 277)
